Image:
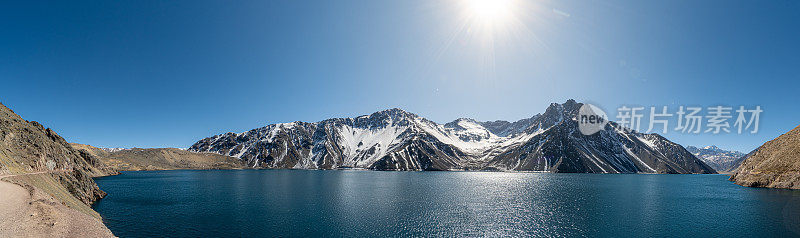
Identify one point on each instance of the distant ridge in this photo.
(721, 160)
(135, 159)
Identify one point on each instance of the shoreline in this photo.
(362, 169)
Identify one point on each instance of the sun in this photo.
(480, 32)
(490, 11)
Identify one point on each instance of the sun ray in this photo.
(491, 12)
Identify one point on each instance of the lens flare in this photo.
(490, 11)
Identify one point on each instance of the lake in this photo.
(308, 203)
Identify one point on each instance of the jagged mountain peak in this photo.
(711, 147)
(568, 109)
(554, 114)
(389, 115)
(509, 129)
(394, 112)
(461, 123)
(571, 104)
(554, 108)
(465, 119)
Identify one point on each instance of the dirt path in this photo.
(41, 172)
(28, 212)
(13, 203)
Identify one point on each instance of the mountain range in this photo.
(721, 160)
(398, 140)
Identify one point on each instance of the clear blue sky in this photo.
(168, 73)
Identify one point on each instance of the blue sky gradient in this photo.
(168, 73)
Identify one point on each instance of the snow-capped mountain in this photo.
(398, 140)
(719, 159)
(112, 150)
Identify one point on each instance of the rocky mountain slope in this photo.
(57, 177)
(723, 161)
(29, 147)
(160, 159)
(776, 164)
(398, 140)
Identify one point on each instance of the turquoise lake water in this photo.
(300, 203)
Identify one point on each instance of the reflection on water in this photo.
(370, 203)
